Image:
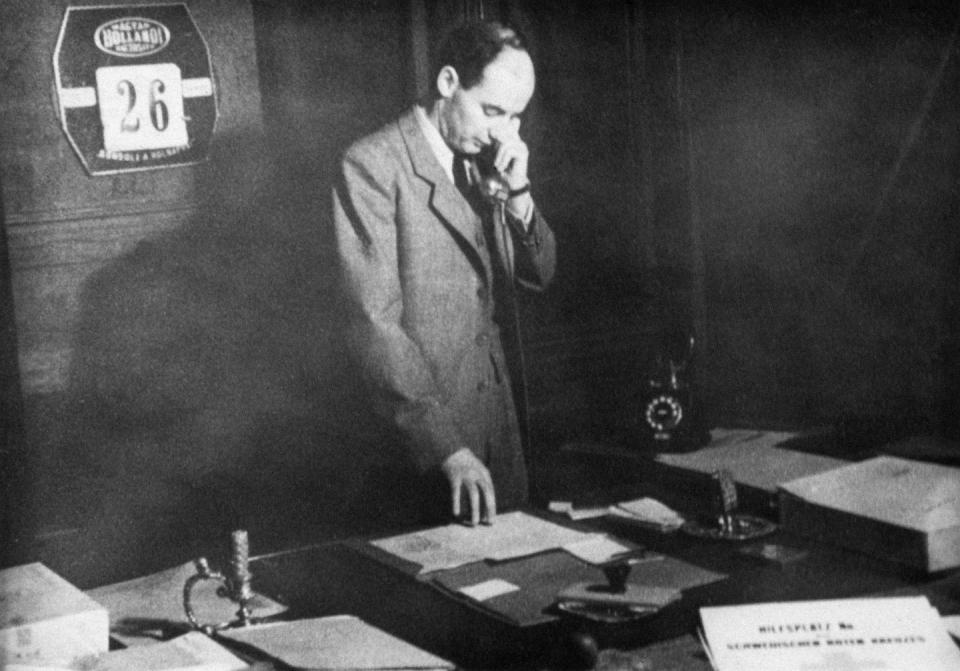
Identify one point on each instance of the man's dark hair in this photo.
(472, 46)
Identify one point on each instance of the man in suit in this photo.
(428, 269)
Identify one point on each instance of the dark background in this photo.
(780, 179)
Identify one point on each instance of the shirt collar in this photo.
(437, 144)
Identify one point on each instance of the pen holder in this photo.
(727, 523)
(236, 585)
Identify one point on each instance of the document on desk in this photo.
(512, 535)
(889, 633)
(190, 652)
(335, 643)
(45, 617)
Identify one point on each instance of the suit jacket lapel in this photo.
(445, 199)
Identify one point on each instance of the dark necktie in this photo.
(482, 207)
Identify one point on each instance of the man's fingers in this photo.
(510, 148)
(506, 155)
(490, 502)
(474, 493)
(455, 485)
(503, 158)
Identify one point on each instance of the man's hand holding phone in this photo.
(510, 159)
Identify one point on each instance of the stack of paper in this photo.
(895, 634)
(899, 509)
(335, 643)
(44, 618)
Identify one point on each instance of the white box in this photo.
(45, 618)
(899, 509)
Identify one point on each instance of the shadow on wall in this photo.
(208, 389)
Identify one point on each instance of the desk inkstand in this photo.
(236, 585)
(727, 524)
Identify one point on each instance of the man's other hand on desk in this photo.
(467, 475)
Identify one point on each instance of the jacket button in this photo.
(483, 294)
(482, 339)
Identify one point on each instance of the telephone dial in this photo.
(669, 418)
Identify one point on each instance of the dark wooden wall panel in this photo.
(62, 224)
(826, 146)
(65, 231)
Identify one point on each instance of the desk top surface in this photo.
(335, 578)
(781, 567)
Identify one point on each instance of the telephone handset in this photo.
(491, 183)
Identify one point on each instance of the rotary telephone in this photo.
(670, 418)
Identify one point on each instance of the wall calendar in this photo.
(134, 87)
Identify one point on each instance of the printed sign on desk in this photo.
(134, 87)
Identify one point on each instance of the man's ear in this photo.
(448, 81)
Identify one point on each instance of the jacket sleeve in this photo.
(535, 255)
(403, 388)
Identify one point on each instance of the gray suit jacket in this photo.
(418, 285)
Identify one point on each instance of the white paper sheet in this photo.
(893, 634)
(514, 534)
(489, 589)
(337, 642)
(190, 652)
(650, 511)
(596, 549)
(952, 623)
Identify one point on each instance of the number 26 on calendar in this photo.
(141, 107)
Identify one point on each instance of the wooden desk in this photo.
(335, 578)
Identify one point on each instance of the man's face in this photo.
(471, 119)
